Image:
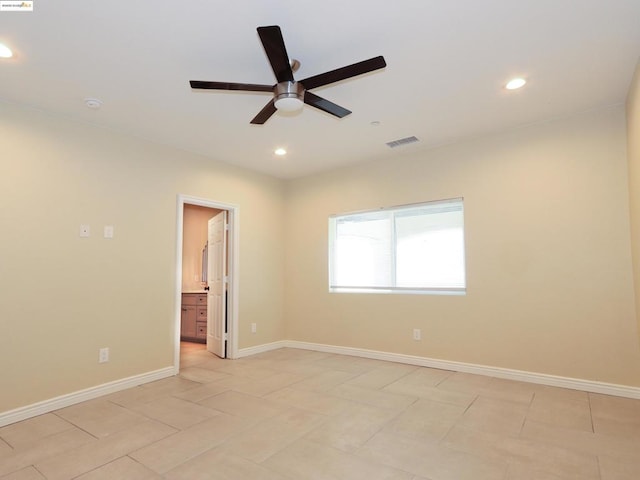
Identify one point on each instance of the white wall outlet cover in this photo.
(85, 231)
(108, 231)
(103, 355)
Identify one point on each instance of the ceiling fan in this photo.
(289, 94)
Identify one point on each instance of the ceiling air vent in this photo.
(402, 141)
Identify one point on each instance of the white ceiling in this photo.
(447, 62)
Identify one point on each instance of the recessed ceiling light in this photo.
(375, 123)
(5, 52)
(515, 83)
(280, 152)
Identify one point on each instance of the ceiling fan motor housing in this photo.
(289, 96)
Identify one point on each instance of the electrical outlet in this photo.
(103, 355)
(417, 334)
(254, 328)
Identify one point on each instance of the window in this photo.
(410, 249)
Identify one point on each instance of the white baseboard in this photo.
(506, 373)
(246, 352)
(62, 401)
(46, 406)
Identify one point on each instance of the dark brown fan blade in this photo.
(325, 105)
(247, 87)
(343, 73)
(273, 44)
(268, 110)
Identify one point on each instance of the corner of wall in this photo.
(633, 155)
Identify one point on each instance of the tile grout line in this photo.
(97, 467)
(599, 467)
(7, 443)
(524, 420)
(38, 470)
(593, 430)
(451, 373)
(471, 404)
(55, 412)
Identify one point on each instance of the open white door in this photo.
(217, 283)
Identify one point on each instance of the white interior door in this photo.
(217, 283)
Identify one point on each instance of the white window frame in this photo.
(392, 288)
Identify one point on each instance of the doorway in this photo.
(231, 302)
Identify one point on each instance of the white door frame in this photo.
(233, 266)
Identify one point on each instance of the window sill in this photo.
(396, 290)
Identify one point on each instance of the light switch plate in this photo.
(85, 231)
(108, 231)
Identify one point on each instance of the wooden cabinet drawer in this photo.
(202, 314)
(194, 299)
(201, 330)
(189, 299)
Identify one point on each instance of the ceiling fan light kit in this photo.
(290, 95)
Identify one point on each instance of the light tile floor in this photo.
(296, 414)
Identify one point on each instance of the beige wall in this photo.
(547, 213)
(549, 279)
(194, 239)
(63, 297)
(633, 152)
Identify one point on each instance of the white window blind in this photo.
(415, 248)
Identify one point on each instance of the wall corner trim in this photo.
(504, 373)
(46, 406)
